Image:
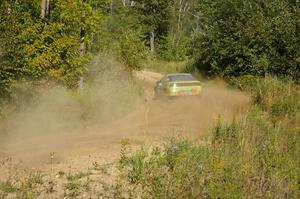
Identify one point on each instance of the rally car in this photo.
(177, 85)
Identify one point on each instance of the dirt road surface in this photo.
(153, 122)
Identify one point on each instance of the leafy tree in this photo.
(121, 34)
(35, 48)
(248, 37)
(154, 15)
(174, 45)
(15, 18)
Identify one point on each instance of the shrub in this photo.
(255, 156)
(248, 37)
(7, 187)
(279, 97)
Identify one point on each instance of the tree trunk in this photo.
(152, 46)
(82, 53)
(82, 45)
(82, 42)
(111, 7)
(45, 8)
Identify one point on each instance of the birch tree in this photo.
(45, 8)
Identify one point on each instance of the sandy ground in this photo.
(154, 122)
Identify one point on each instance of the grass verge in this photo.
(254, 156)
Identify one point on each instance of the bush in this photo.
(256, 156)
(248, 158)
(132, 50)
(279, 97)
(248, 37)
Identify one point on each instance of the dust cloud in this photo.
(191, 116)
(59, 120)
(113, 106)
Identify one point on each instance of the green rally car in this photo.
(177, 84)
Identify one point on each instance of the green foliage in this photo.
(33, 48)
(120, 34)
(59, 46)
(255, 156)
(165, 67)
(170, 49)
(248, 37)
(281, 98)
(142, 17)
(243, 154)
(24, 188)
(76, 176)
(7, 187)
(132, 51)
(182, 22)
(72, 186)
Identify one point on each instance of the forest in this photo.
(253, 45)
(55, 40)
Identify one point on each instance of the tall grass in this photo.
(256, 156)
(165, 67)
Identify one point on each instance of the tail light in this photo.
(173, 85)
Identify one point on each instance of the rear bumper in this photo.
(184, 93)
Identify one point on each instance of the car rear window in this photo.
(181, 78)
(185, 84)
